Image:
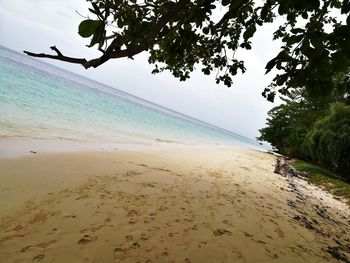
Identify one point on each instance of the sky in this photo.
(35, 25)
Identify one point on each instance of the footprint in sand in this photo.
(40, 245)
(118, 253)
(85, 196)
(135, 245)
(133, 212)
(144, 237)
(279, 232)
(132, 221)
(86, 239)
(226, 222)
(70, 216)
(165, 254)
(119, 250)
(119, 256)
(39, 257)
(247, 234)
(129, 237)
(18, 228)
(259, 241)
(221, 231)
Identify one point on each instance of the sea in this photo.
(39, 101)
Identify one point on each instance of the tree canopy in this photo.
(313, 129)
(182, 34)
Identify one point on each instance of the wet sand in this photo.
(218, 205)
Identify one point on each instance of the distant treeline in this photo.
(313, 127)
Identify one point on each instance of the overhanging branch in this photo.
(59, 56)
(111, 51)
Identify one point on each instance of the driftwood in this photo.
(282, 167)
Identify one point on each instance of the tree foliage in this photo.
(182, 34)
(316, 130)
(328, 142)
(288, 124)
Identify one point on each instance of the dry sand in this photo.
(187, 206)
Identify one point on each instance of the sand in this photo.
(181, 205)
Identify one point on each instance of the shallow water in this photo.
(40, 101)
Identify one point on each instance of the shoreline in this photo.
(14, 147)
(165, 205)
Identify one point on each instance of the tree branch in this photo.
(59, 56)
(54, 48)
(111, 51)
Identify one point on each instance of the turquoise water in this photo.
(41, 101)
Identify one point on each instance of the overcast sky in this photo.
(35, 25)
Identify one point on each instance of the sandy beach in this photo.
(181, 205)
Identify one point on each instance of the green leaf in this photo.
(205, 30)
(88, 27)
(294, 39)
(120, 23)
(264, 12)
(269, 66)
(281, 79)
(206, 71)
(94, 5)
(249, 32)
(92, 11)
(226, 2)
(271, 96)
(346, 7)
(297, 30)
(98, 36)
(187, 26)
(340, 61)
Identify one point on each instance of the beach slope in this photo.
(217, 205)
